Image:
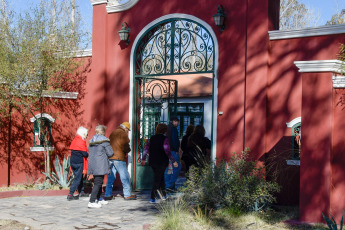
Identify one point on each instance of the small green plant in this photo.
(332, 224)
(202, 215)
(30, 183)
(45, 185)
(61, 176)
(172, 214)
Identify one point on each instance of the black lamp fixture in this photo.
(219, 18)
(124, 33)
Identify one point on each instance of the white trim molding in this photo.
(294, 122)
(320, 66)
(80, 53)
(307, 32)
(45, 115)
(41, 149)
(338, 81)
(97, 2)
(62, 95)
(117, 6)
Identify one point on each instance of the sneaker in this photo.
(132, 197)
(94, 205)
(102, 202)
(84, 195)
(71, 197)
(152, 201)
(108, 197)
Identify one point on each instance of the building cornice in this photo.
(319, 66)
(118, 7)
(81, 53)
(97, 2)
(334, 66)
(307, 32)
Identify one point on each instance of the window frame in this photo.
(294, 124)
(182, 128)
(36, 132)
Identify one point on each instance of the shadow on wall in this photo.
(68, 117)
(287, 176)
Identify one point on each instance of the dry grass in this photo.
(18, 187)
(176, 216)
(13, 225)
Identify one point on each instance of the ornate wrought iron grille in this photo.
(173, 47)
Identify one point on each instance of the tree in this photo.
(295, 15)
(338, 18)
(36, 58)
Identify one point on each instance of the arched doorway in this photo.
(166, 52)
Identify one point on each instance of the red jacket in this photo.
(78, 144)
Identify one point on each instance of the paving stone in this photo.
(55, 212)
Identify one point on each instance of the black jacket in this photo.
(157, 156)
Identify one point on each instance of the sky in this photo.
(324, 8)
(85, 8)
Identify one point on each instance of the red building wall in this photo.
(241, 74)
(25, 165)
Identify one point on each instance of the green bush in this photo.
(239, 184)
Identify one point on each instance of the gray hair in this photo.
(82, 132)
(100, 129)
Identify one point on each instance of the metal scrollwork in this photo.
(158, 91)
(175, 46)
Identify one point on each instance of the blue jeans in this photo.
(77, 183)
(170, 179)
(121, 168)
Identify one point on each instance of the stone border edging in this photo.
(18, 193)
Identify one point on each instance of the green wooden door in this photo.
(154, 97)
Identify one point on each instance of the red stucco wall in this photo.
(26, 166)
(236, 74)
(337, 185)
(292, 94)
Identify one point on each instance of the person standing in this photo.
(158, 149)
(199, 146)
(78, 153)
(100, 150)
(186, 156)
(171, 173)
(119, 141)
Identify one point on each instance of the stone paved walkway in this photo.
(55, 212)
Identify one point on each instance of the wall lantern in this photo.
(124, 33)
(219, 18)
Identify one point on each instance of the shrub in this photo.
(239, 184)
